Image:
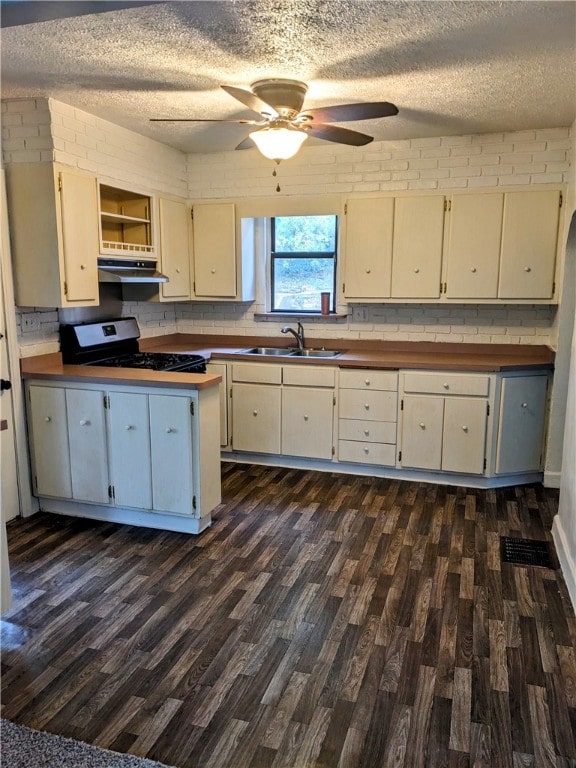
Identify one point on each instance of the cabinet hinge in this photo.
(194, 286)
(192, 213)
(487, 409)
(59, 183)
(400, 456)
(345, 208)
(333, 451)
(447, 205)
(111, 491)
(343, 287)
(561, 200)
(193, 502)
(334, 400)
(401, 405)
(553, 288)
(445, 287)
(484, 465)
(192, 407)
(106, 402)
(65, 288)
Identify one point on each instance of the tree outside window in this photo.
(303, 262)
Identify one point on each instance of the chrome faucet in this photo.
(298, 335)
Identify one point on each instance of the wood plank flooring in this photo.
(324, 620)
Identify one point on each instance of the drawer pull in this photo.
(255, 413)
(422, 425)
(305, 417)
(527, 269)
(416, 270)
(47, 418)
(366, 450)
(446, 385)
(465, 428)
(367, 432)
(524, 405)
(367, 382)
(366, 406)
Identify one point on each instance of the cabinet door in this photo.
(215, 250)
(369, 227)
(475, 227)
(80, 236)
(307, 419)
(50, 449)
(87, 437)
(417, 247)
(174, 248)
(521, 424)
(256, 418)
(464, 435)
(529, 239)
(422, 420)
(129, 431)
(171, 453)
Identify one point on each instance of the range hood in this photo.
(129, 271)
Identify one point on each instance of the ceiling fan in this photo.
(283, 125)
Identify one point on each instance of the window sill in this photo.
(264, 316)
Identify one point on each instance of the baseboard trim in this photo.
(567, 564)
(552, 479)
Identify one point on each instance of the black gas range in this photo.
(114, 344)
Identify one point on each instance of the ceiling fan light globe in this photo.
(278, 143)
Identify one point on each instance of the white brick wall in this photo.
(45, 130)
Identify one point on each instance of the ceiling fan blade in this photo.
(201, 120)
(339, 135)
(250, 100)
(246, 144)
(342, 113)
(17, 13)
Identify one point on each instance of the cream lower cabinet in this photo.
(521, 423)
(367, 417)
(221, 369)
(283, 410)
(443, 421)
(140, 448)
(68, 443)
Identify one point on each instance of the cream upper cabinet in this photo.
(369, 230)
(417, 247)
(529, 243)
(53, 213)
(472, 259)
(173, 224)
(214, 226)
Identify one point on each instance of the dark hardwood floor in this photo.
(324, 620)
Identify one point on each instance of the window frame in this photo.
(329, 255)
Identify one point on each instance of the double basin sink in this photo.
(290, 352)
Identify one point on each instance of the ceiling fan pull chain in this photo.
(275, 174)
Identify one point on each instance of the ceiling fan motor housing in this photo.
(286, 96)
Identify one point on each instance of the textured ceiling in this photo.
(450, 67)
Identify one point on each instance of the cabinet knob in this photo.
(524, 405)
(416, 270)
(367, 432)
(84, 423)
(82, 267)
(464, 428)
(47, 418)
(255, 413)
(367, 382)
(366, 449)
(128, 427)
(446, 385)
(169, 429)
(422, 425)
(527, 269)
(213, 271)
(368, 271)
(177, 270)
(473, 269)
(305, 417)
(366, 406)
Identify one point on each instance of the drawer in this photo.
(308, 376)
(383, 380)
(257, 374)
(367, 431)
(447, 384)
(367, 453)
(369, 406)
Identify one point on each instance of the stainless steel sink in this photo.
(279, 351)
(316, 353)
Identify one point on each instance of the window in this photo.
(303, 262)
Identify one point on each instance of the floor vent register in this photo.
(526, 552)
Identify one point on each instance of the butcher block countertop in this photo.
(367, 354)
(384, 355)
